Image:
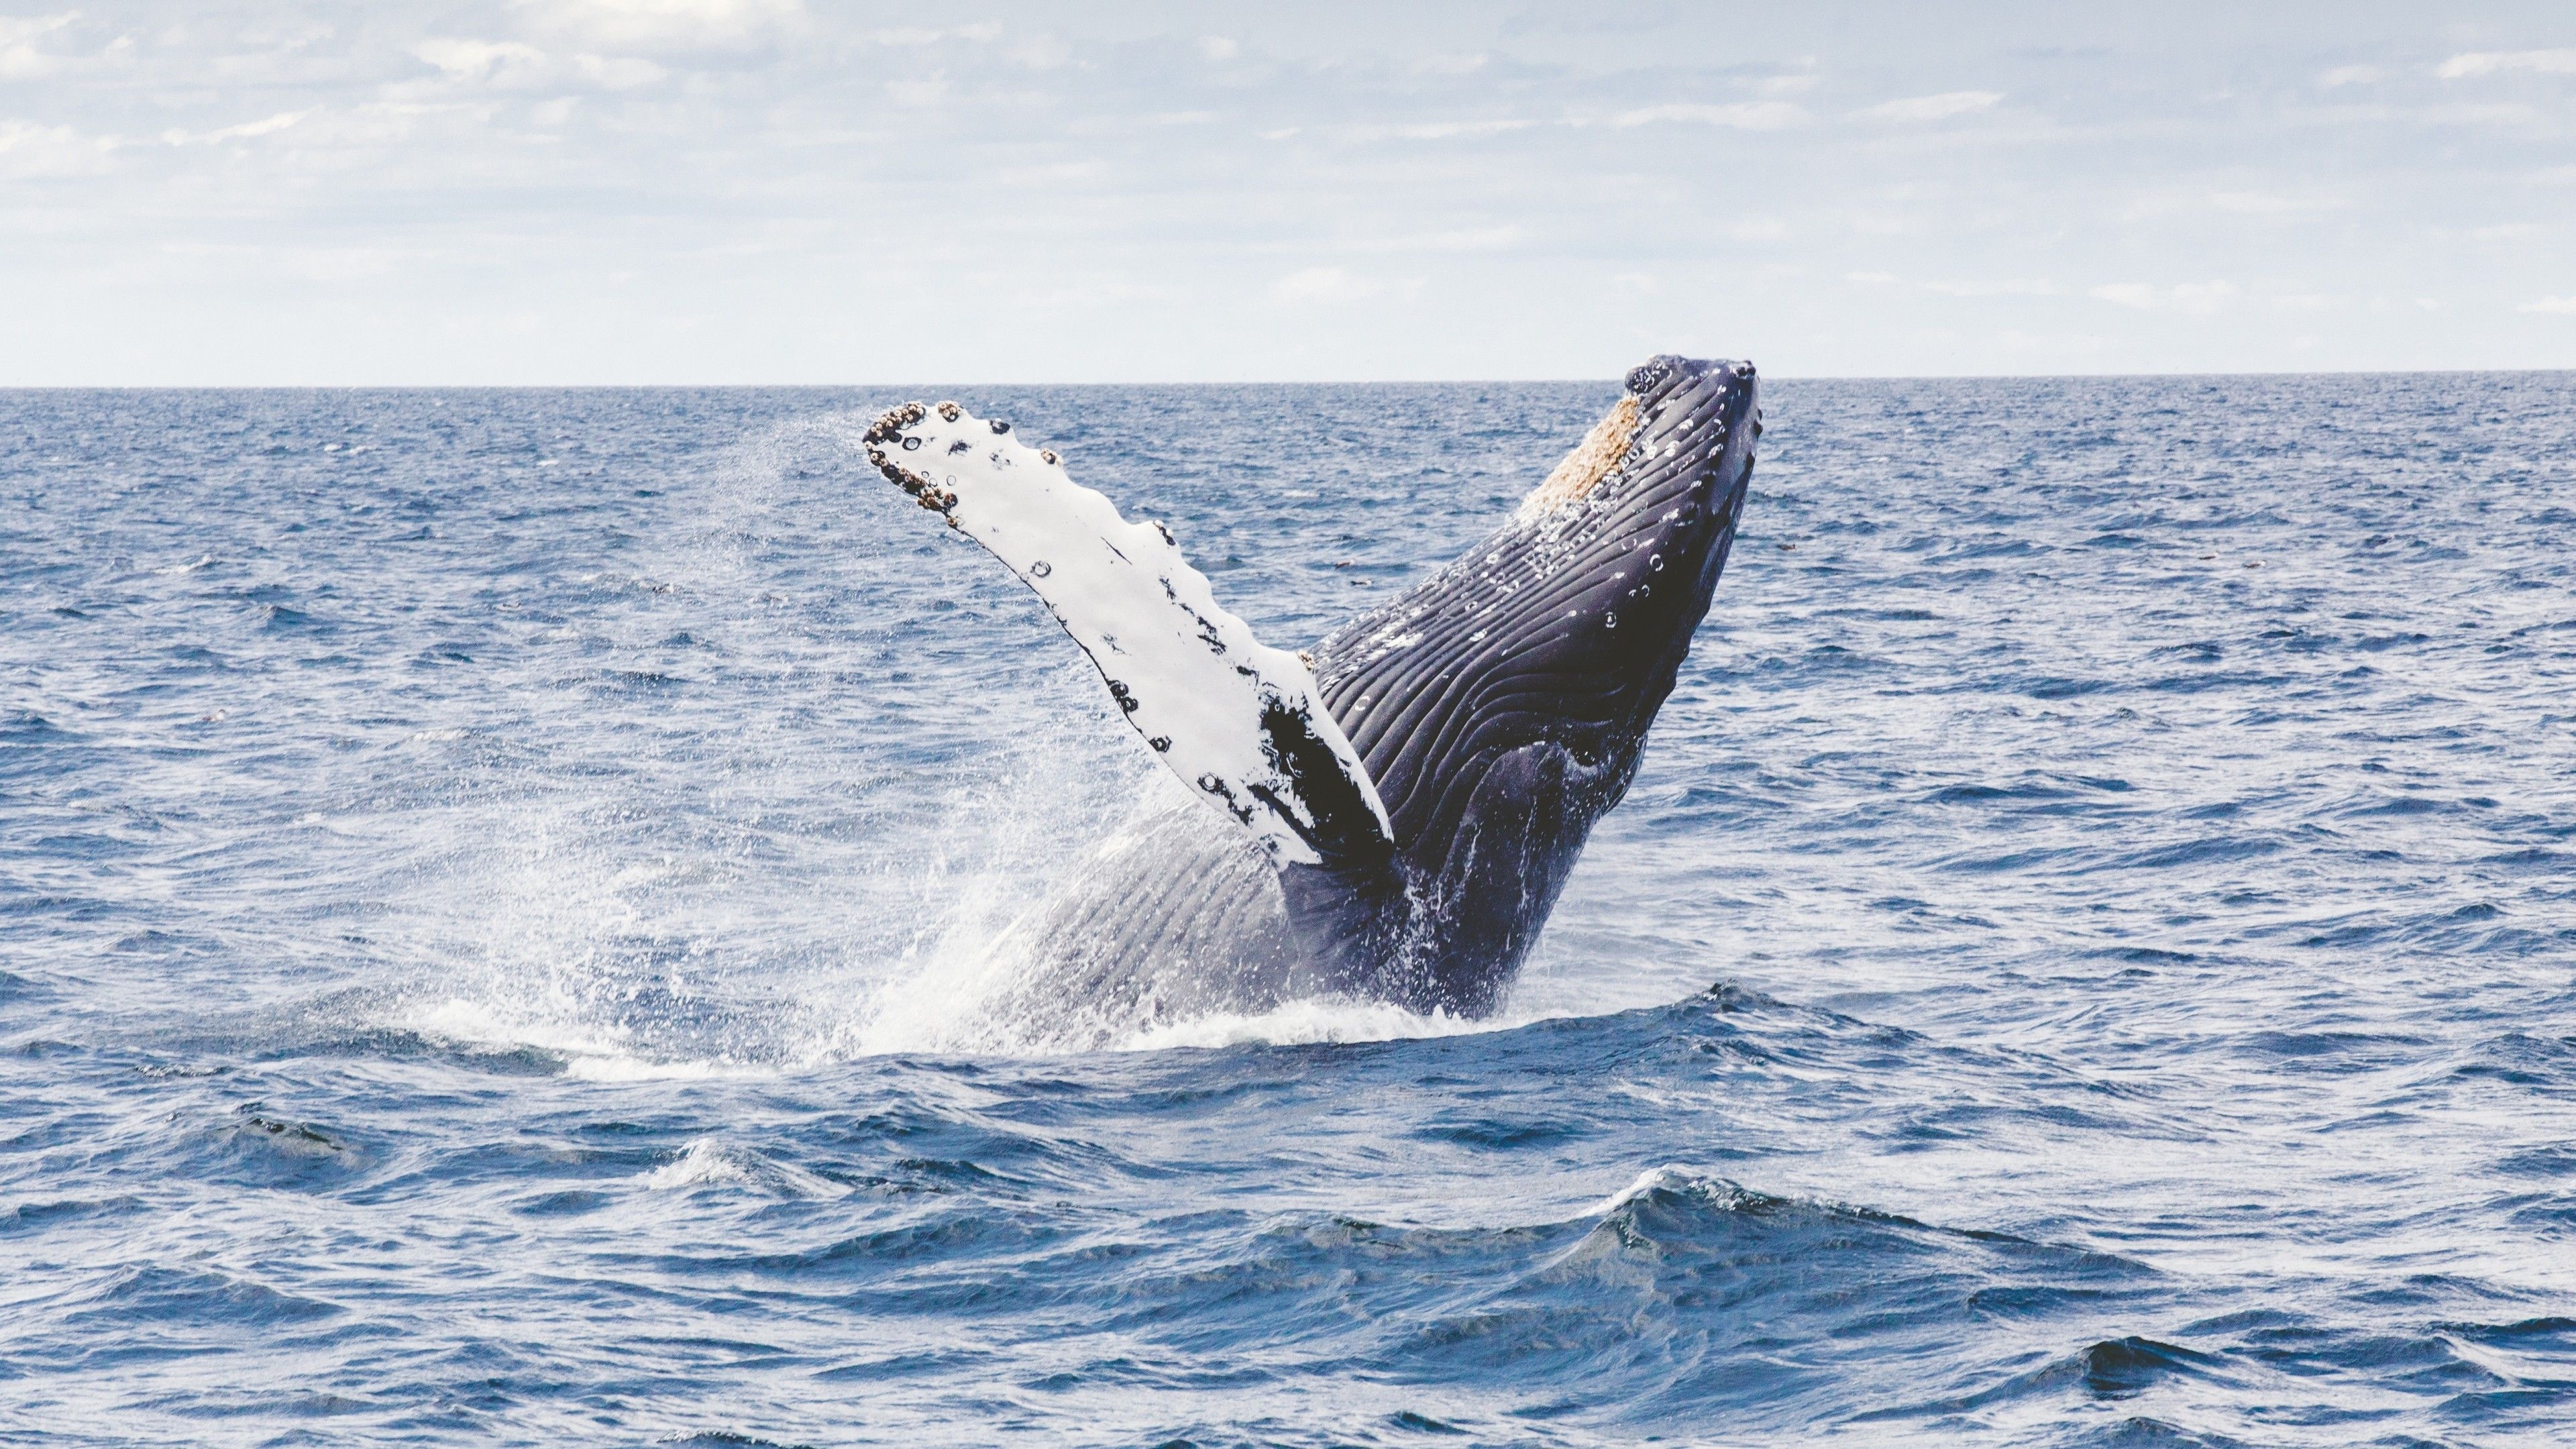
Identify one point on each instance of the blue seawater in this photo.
(494, 888)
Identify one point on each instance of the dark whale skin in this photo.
(1501, 708)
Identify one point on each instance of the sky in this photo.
(302, 192)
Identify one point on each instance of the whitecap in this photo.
(712, 1162)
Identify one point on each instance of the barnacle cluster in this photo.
(891, 423)
(889, 428)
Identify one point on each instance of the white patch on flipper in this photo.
(1187, 674)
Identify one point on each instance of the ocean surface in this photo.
(495, 888)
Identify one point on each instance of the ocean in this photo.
(495, 888)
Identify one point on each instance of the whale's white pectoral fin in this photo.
(1242, 723)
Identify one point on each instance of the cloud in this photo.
(1992, 287)
(2492, 62)
(2267, 203)
(1998, 287)
(2551, 306)
(1464, 239)
(1743, 115)
(2350, 75)
(1443, 130)
(926, 90)
(29, 150)
(314, 263)
(1322, 284)
(910, 35)
(2198, 298)
(486, 62)
(242, 132)
(618, 73)
(1218, 47)
(1933, 108)
(513, 64)
(668, 22)
(19, 56)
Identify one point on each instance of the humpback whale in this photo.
(1391, 814)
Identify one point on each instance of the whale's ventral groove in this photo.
(1398, 807)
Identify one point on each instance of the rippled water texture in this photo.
(494, 889)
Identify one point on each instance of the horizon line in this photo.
(10, 387)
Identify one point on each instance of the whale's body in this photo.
(1396, 822)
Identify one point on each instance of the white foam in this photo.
(1652, 1179)
(591, 1050)
(1304, 1023)
(711, 1162)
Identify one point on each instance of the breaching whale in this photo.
(1391, 815)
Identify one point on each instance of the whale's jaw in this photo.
(1501, 707)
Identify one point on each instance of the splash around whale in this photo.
(1391, 815)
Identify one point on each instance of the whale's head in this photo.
(1500, 707)
(1624, 540)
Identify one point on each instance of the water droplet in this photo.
(1041, 568)
(1610, 620)
(1656, 563)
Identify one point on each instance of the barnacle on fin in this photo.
(891, 423)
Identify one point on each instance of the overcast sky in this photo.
(568, 191)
